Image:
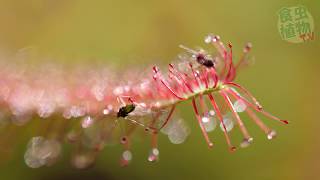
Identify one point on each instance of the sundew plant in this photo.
(94, 107)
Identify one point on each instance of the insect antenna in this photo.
(194, 52)
(147, 128)
(121, 101)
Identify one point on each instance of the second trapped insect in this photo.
(125, 110)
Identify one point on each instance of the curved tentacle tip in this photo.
(210, 145)
(152, 158)
(153, 155)
(232, 149)
(124, 163)
(272, 134)
(155, 69)
(285, 121)
(259, 107)
(246, 142)
(98, 147)
(248, 47)
(151, 130)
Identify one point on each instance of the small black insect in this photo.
(126, 110)
(200, 57)
(203, 60)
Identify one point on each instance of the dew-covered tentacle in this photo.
(208, 117)
(246, 92)
(203, 129)
(231, 72)
(126, 156)
(243, 129)
(205, 78)
(203, 105)
(215, 77)
(246, 51)
(168, 117)
(215, 40)
(257, 109)
(196, 78)
(156, 71)
(218, 112)
(154, 152)
(176, 73)
(269, 132)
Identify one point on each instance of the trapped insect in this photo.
(200, 57)
(125, 110)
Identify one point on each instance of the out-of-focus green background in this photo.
(285, 78)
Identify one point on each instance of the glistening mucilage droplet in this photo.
(41, 151)
(272, 134)
(83, 160)
(126, 157)
(87, 121)
(153, 155)
(228, 122)
(239, 105)
(209, 121)
(177, 131)
(246, 142)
